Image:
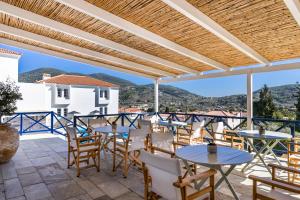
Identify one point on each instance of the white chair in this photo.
(165, 178)
(96, 123)
(162, 142)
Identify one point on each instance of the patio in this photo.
(38, 171)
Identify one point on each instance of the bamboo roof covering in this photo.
(267, 27)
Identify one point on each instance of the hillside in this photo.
(173, 97)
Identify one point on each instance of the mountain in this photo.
(172, 97)
(37, 74)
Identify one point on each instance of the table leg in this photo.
(224, 177)
(258, 154)
(270, 149)
(226, 174)
(190, 172)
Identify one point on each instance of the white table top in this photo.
(108, 129)
(225, 155)
(268, 135)
(174, 123)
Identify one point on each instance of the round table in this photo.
(198, 154)
(172, 125)
(270, 139)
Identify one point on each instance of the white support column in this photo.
(249, 101)
(156, 93)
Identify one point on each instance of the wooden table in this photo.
(225, 156)
(270, 139)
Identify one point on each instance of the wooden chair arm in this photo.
(188, 180)
(276, 184)
(288, 169)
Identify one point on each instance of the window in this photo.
(59, 111)
(65, 112)
(105, 110)
(101, 110)
(58, 92)
(101, 93)
(106, 94)
(66, 93)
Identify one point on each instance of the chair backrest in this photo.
(137, 138)
(163, 140)
(72, 136)
(96, 123)
(218, 127)
(145, 124)
(197, 127)
(164, 172)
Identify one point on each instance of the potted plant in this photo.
(9, 137)
(212, 146)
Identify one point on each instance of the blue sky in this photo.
(207, 87)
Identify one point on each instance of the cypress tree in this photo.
(265, 107)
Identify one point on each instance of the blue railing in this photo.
(32, 122)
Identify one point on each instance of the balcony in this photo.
(39, 169)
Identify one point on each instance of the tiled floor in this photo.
(38, 171)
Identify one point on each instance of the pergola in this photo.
(165, 40)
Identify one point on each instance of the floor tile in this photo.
(13, 188)
(37, 192)
(113, 188)
(65, 190)
(53, 173)
(42, 161)
(30, 179)
(26, 170)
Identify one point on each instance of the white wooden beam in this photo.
(103, 15)
(271, 68)
(156, 96)
(70, 57)
(294, 7)
(201, 19)
(69, 30)
(249, 101)
(62, 45)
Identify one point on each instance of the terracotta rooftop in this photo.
(77, 80)
(6, 51)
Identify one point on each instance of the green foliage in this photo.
(265, 106)
(9, 94)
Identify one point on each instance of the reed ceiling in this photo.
(266, 26)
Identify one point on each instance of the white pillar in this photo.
(249, 101)
(156, 96)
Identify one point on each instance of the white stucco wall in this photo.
(9, 68)
(113, 106)
(34, 98)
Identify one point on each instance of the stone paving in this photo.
(38, 171)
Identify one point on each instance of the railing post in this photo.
(293, 130)
(122, 119)
(52, 122)
(21, 124)
(74, 121)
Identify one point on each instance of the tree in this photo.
(265, 106)
(9, 94)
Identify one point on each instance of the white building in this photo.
(63, 94)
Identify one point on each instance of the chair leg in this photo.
(254, 190)
(212, 185)
(125, 165)
(69, 155)
(98, 160)
(78, 164)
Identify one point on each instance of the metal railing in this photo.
(33, 122)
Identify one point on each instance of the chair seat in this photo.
(277, 193)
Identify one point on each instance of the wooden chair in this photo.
(83, 149)
(190, 134)
(128, 149)
(226, 137)
(275, 182)
(162, 142)
(166, 181)
(294, 158)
